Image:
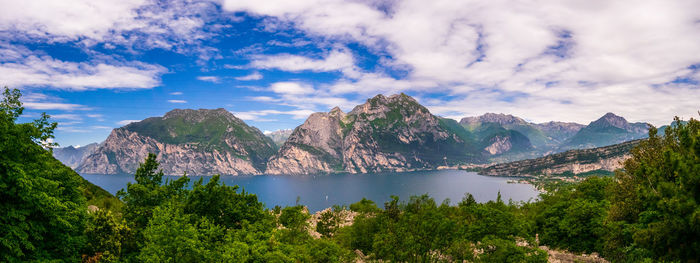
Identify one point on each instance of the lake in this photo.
(322, 191)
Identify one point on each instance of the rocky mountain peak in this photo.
(336, 112)
(383, 134)
(190, 115)
(611, 119)
(500, 118)
(199, 142)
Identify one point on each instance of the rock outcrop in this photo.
(196, 142)
(607, 158)
(384, 134)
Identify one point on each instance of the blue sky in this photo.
(96, 65)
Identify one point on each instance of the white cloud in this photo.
(256, 115)
(252, 76)
(291, 88)
(125, 122)
(170, 25)
(212, 79)
(177, 101)
(177, 93)
(562, 60)
(40, 101)
(336, 60)
(53, 106)
(74, 19)
(24, 68)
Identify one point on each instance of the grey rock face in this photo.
(196, 142)
(384, 134)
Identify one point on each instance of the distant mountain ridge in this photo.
(196, 142)
(393, 133)
(551, 137)
(279, 136)
(73, 156)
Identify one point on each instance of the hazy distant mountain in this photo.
(560, 131)
(279, 136)
(199, 142)
(531, 131)
(609, 129)
(384, 134)
(72, 156)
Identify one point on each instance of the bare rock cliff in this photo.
(384, 134)
(196, 142)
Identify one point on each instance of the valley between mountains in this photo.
(393, 133)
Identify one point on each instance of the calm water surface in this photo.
(320, 192)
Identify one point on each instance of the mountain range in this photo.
(73, 156)
(393, 133)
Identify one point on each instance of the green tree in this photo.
(222, 204)
(143, 197)
(171, 237)
(654, 204)
(294, 219)
(571, 216)
(365, 206)
(43, 210)
(106, 233)
(328, 223)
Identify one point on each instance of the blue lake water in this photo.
(322, 191)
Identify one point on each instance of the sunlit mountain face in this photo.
(99, 65)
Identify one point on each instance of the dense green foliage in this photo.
(571, 216)
(43, 202)
(655, 211)
(422, 231)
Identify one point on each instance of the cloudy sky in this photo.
(96, 65)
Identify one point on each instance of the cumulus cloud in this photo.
(562, 60)
(169, 25)
(252, 76)
(336, 60)
(291, 88)
(21, 67)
